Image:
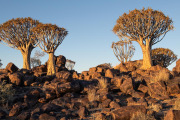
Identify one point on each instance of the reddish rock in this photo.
(137, 94)
(85, 73)
(105, 103)
(125, 113)
(114, 104)
(45, 116)
(172, 115)
(49, 107)
(75, 75)
(3, 71)
(109, 73)
(82, 112)
(11, 67)
(67, 87)
(158, 90)
(15, 110)
(92, 70)
(117, 81)
(16, 78)
(60, 60)
(96, 75)
(100, 69)
(64, 75)
(143, 88)
(127, 86)
(173, 88)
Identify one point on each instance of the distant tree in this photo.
(17, 33)
(163, 57)
(50, 37)
(70, 64)
(123, 50)
(35, 61)
(0, 63)
(146, 26)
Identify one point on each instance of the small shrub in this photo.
(91, 94)
(102, 83)
(163, 75)
(177, 105)
(155, 107)
(142, 116)
(6, 93)
(163, 57)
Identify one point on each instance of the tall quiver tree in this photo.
(50, 37)
(146, 26)
(17, 33)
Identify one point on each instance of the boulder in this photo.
(16, 78)
(127, 86)
(64, 75)
(11, 68)
(15, 110)
(82, 112)
(172, 115)
(60, 61)
(45, 116)
(125, 113)
(158, 90)
(109, 73)
(67, 87)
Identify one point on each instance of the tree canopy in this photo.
(163, 57)
(17, 33)
(140, 25)
(49, 36)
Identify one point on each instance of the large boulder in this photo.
(16, 78)
(11, 68)
(158, 90)
(64, 75)
(127, 86)
(60, 61)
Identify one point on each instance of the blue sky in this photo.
(90, 24)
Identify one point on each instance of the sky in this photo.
(89, 24)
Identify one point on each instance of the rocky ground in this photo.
(102, 93)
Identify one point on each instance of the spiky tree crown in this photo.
(17, 33)
(143, 24)
(49, 36)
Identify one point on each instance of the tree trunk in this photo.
(51, 65)
(147, 62)
(26, 59)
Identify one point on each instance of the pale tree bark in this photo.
(51, 64)
(146, 49)
(26, 58)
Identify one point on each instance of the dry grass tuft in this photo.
(91, 94)
(102, 83)
(155, 107)
(6, 93)
(142, 116)
(177, 104)
(163, 75)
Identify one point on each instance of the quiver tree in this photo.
(17, 33)
(163, 57)
(35, 61)
(70, 64)
(123, 50)
(50, 37)
(146, 26)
